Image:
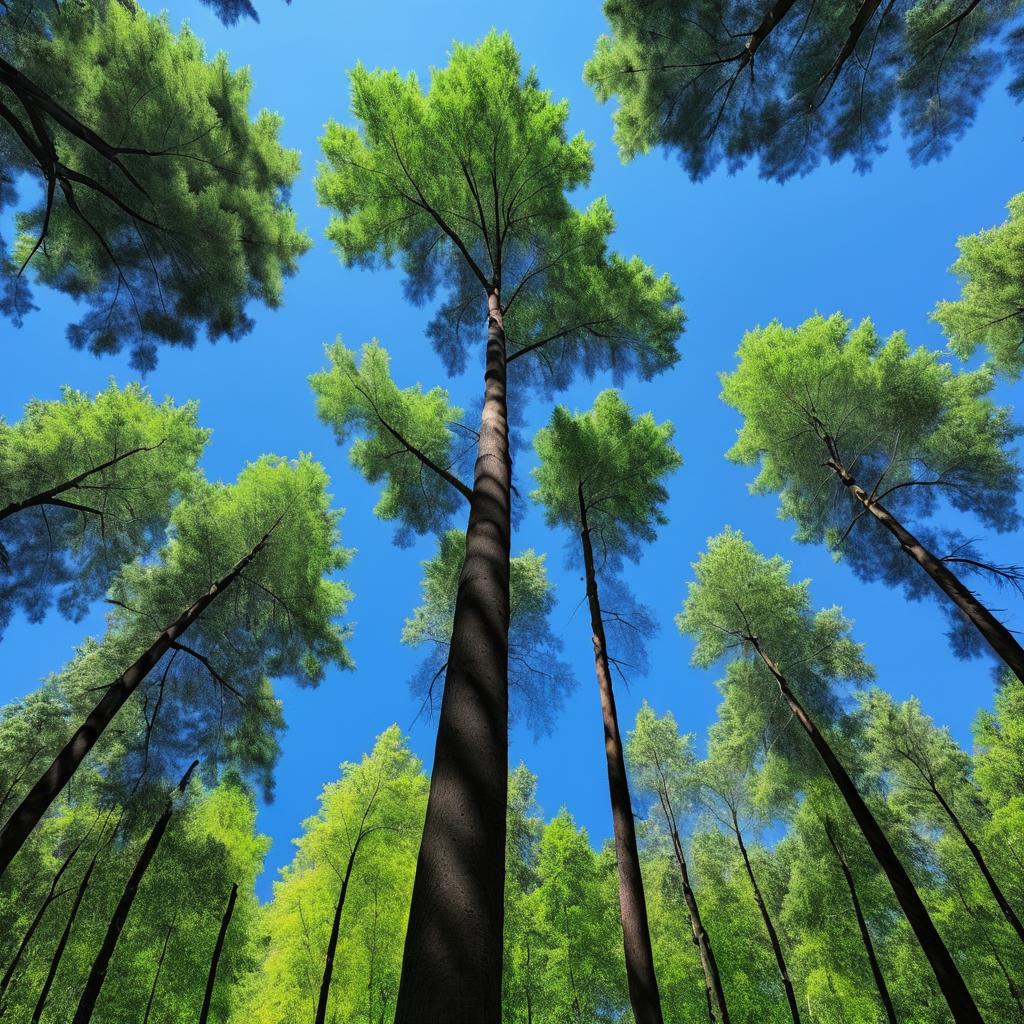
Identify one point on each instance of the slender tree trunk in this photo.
(451, 968)
(869, 946)
(26, 816)
(98, 973)
(773, 935)
(717, 1007)
(950, 982)
(999, 638)
(159, 968)
(636, 933)
(1004, 905)
(332, 943)
(218, 947)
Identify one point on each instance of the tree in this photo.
(858, 437)
(466, 184)
(87, 485)
(742, 604)
(601, 474)
(663, 765)
(990, 310)
(232, 11)
(268, 540)
(788, 84)
(164, 205)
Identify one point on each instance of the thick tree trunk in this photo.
(26, 816)
(769, 926)
(869, 946)
(950, 982)
(98, 972)
(999, 638)
(332, 943)
(636, 933)
(451, 968)
(218, 947)
(718, 1011)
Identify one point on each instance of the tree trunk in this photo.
(332, 943)
(211, 978)
(950, 982)
(773, 935)
(636, 934)
(869, 946)
(98, 973)
(159, 968)
(26, 816)
(451, 967)
(999, 638)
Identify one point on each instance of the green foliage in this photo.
(68, 546)
(787, 85)
(990, 310)
(177, 216)
(538, 679)
(465, 183)
(913, 433)
(999, 743)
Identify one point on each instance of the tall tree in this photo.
(861, 438)
(466, 183)
(269, 540)
(990, 310)
(787, 83)
(87, 484)
(163, 202)
(601, 474)
(743, 606)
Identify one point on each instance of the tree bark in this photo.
(636, 934)
(869, 946)
(332, 943)
(451, 968)
(951, 984)
(773, 935)
(98, 973)
(218, 947)
(999, 638)
(26, 816)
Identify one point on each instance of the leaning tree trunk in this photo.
(218, 948)
(773, 935)
(451, 967)
(950, 982)
(332, 942)
(869, 946)
(999, 638)
(98, 972)
(636, 933)
(26, 816)
(159, 969)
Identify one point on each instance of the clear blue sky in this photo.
(742, 251)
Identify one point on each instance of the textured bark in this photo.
(951, 984)
(999, 638)
(218, 947)
(451, 968)
(769, 926)
(98, 972)
(869, 946)
(26, 816)
(636, 934)
(332, 943)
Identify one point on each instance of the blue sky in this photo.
(742, 251)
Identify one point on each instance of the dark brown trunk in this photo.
(999, 638)
(26, 816)
(218, 947)
(769, 926)
(636, 934)
(451, 968)
(332, 942)
(950, 982)
(159, 968)
(771, 19)
(869, 946)
(98, 972)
